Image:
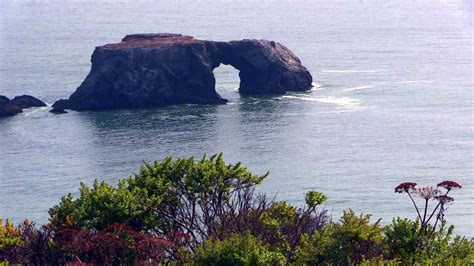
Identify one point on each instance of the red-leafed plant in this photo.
(117, 244)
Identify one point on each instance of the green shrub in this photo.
(461, 248)
(237, 250)
(351, 240)
(443, 250)
(9, 239)
(164, 187)
(185, 201)
(9, 235)
(314, 198)
(402, 238)
(283, 225)
(209, 213)
(100, 206)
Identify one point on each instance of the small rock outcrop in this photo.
(12, 107)
(149, 70)
(58, 111)
(27, 101)
(7, 108)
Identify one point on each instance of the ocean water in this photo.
(392, 101)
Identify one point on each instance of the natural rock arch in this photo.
(162, 69)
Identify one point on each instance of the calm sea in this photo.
(392, 101)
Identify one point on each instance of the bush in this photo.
(461, 249)
(206, 212)
(117, 244)
(9, 239)
(352, 240)
(100, 206)
(33, 247)
(209, 199)
(420, 241)
(195, 196)
(401, 238)
(283, 225)
(237, 250)
(9, 235)
(182, 197)
(194, 199)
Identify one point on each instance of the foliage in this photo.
(9, 235)
(172, 197)
(100, 206)
(195, 197)
(427, 231)
(401, 238)
(424, 242)
(460, 248)
(351, 240)
(205, 211)
(9, 240)
(283, 225)
(33, 247)
(117, 244)
(237, 250)
(314, 198)
(209, 199)
(355, 238)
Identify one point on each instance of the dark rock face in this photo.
(147, 70)
(27, 101)
(7, 108)
(61, 104)
(266, 67)
(58, 111)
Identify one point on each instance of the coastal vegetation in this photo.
(207, 212)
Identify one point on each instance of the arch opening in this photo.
(227, 81)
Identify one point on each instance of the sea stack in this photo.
(150, 70)
(7, 108)
(16, 105)
(27, 101)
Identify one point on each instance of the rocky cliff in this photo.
(145, 70)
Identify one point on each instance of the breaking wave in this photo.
(316, 86)
(359, 88)
(351, 71)
(415, 81)
(343, 103)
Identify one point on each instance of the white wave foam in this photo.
(343, 103)
(311, 99)
(384, 83)
(33, 110)
(316, 86)
(359, 88)
(351, 71)
(415, 81)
